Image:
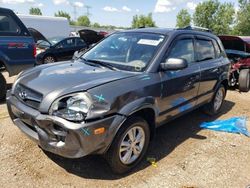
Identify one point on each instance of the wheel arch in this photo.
(148, 114)
(143, 107)
(223, 80)
(145, 111)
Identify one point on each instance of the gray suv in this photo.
(110, 100)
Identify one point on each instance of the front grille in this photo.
(28, 96)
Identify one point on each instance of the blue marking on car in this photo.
(99, 97)
(85, 131)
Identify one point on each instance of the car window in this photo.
(205, 50)
(80, 42)
(8, 24)
(183, 48)
(68, 43)
(217, 49)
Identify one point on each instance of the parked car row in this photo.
(63, 48)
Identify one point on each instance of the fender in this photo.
(126, 111)
(139, 104)
(223, 77)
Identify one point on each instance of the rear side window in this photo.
(68, 43)
(217, 49)
(80, 42)
(8, 24)
(205, 50)
(183, 48)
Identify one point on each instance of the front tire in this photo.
(214, 107)
(3, 87)
(244, 80)
(129, 146)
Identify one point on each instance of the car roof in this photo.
(170, 31)
(162, 31)
(63, 37)
(5, 9)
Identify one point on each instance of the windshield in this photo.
(126, 51)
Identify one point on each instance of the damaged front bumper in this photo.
(59, 136)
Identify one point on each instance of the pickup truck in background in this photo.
(17, 49)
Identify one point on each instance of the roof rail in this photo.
(196, 28)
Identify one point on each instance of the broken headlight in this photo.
(73, 108)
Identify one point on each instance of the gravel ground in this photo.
(186, 157)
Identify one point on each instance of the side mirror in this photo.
(174, 64)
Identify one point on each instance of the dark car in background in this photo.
(112, 98)
(63, 48)
(17, 47)
(58, 49)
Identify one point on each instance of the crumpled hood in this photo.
(64, 78)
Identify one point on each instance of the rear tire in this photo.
(116, 157)
(49, 59)
(244, 80)
(214, 107)
(3, 87)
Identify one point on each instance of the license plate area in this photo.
(18, 113)
(22, 115)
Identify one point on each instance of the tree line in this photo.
(221, 18)
(137, 22)
(81, 20)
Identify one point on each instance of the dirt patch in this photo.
(186, 156)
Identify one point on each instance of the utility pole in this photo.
(74, 13)
(87, 10)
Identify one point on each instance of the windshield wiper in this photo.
(99, 63)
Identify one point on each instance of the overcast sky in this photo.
(111, 12)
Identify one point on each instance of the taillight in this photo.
(34, 50)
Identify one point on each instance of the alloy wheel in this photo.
(132, 145)
(218, 99)
(49, 59)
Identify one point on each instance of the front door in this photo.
(180, 88)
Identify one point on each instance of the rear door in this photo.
(210, 63)
(16, 44)
(80, 44)
(65, 49)
(180, 87)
